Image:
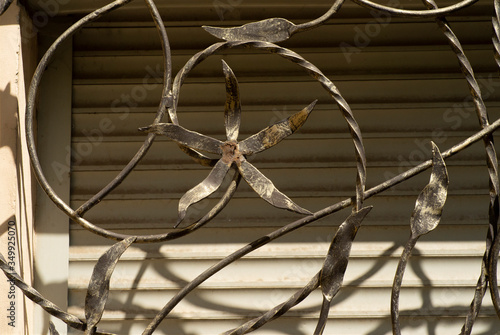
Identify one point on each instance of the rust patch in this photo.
(297, 120)
(231, 153)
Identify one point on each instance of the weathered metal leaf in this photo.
(98, 290)
(335, 265)
(232, 113)
(4, 5)
(186, 137)
(266, 189)
(52, 329)
(270, 30)
(431, 200)
(203, 189)
(274, 134)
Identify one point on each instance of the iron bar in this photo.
(495, 248)
(491, 161)
(165, 103)
(277, 311)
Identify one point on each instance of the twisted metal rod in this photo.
(495, 248)
(491, 162)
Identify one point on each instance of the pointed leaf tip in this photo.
(430, 202)
(180, 218)
(232, 111)
(226, 68)
(298, 119)
(270, 30)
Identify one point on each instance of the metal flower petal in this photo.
(270, 30)
(274, 134)
(232, 112)
(203, 189)
(266, 189)
(186, 137)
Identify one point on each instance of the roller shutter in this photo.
(405, 88)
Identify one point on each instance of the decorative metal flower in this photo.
(233, 152)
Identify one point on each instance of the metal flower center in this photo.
(231, 153)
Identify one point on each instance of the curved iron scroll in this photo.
(233, 154)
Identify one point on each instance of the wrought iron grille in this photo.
(264, 36)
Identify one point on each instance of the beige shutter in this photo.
(403, 84)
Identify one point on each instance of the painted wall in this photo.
(16, 203)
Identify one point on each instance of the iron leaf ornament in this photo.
(270, 30)
(233, 152)
(424, 219)
(335, 265)
(98, 291)
(430, 202)
(273, 30)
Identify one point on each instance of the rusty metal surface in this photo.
(233, 154)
